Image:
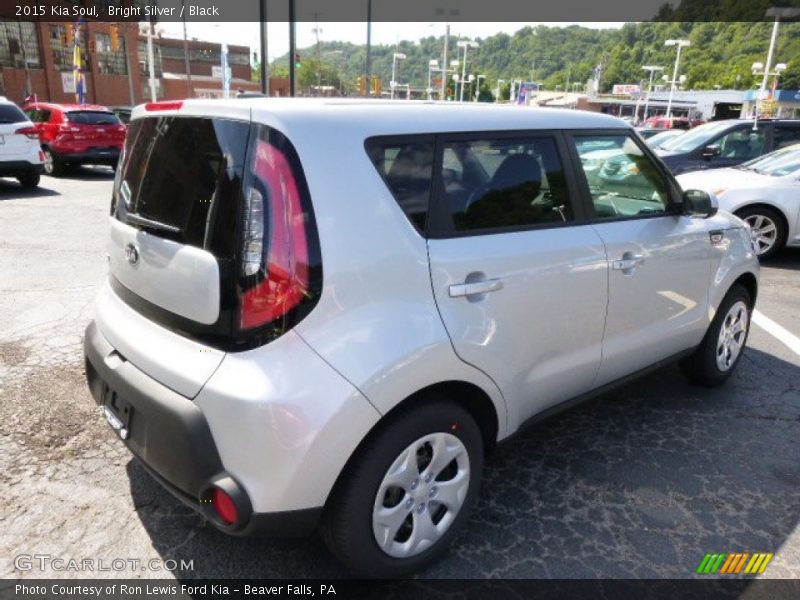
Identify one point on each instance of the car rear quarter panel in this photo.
(376, 322)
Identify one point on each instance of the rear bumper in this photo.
(172, 439)
(94, 156)
(13, 168)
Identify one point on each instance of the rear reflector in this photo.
(282, 242)
(224, 506)
(156, 106)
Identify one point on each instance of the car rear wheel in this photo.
(52, 166)
(29, 180)
(721, 349)
(407, 493)
(767, 229)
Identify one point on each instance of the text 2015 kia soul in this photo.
(324, 313)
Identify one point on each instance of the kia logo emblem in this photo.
(131, 254)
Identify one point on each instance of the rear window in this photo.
(185, 174)
(92, 117)
(11, 114)
(406, 165)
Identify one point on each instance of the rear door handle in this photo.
(628, 262)
(475, 288)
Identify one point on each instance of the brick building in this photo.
(48, 52)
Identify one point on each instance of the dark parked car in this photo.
(727, 143)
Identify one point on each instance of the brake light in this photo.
(285, 276)
(156, 106)
(29, 132)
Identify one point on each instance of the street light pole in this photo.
(466, 45)
(652, 70)
(478, 85)
(433, 65)
(393, 82)
(680, 44)
(444, 62)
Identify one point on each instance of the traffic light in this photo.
(297, 58)
(114, 34)
(376, 87)
(361, 84)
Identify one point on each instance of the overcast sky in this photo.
(382, 33)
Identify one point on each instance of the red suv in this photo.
(76, 134)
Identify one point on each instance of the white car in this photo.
(20, 154)
(765, 192)
(326, 313)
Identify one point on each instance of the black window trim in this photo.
(399, 139)
(675, 193)
(440, 223)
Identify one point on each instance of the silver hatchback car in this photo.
(325, 313)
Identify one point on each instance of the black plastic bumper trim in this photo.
(171, 438)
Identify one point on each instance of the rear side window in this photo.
(406, 166)
(495, 184)
(184, 175)
(11, 114)
(92, 117)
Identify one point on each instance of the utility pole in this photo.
(445, 64)
(316, 31)
(151, 60)
(189, 90)
(262, 7)
(368, 61)
(131, 92)
(292, 48)
(28, 85)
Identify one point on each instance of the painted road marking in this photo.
(782, 334)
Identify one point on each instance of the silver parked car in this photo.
(325, 313)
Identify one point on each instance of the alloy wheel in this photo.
(764, 232)
(732, 335)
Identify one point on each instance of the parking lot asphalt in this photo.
(638, 483)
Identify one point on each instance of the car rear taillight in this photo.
(275, 247)
(29, 132)
(67, 128)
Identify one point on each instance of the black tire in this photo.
(52, 165)
(29, 180)
(701, 367)
(347, 527)
(752, 213)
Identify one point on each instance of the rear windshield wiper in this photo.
(150, 223)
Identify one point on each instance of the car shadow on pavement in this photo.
(640, 482)
(11, 190)
(788, 259)
(87, 173)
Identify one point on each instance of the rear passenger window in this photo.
(496, 184)
(406, 166)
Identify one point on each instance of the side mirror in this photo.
(712, 150)
(697, 203)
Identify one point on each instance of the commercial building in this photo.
(39, 57)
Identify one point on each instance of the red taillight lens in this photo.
(286, 271)
(224, 506)
(28, 132)
(156, 106)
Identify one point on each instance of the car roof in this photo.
(393, 117)
(67, 107)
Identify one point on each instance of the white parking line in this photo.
(783, 335)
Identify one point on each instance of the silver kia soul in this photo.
(325, 313)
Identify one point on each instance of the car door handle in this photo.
(477, 287)
(628, 262)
